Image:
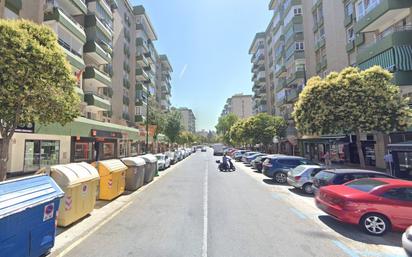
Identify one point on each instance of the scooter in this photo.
(222, 167)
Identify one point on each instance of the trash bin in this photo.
(135, 172)
(28, 210)
(150, 168)
(112, 178)
(79, 182)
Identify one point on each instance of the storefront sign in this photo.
(105, 134)
(25, 128)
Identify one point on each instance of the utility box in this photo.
(79, 182)
(28, 215)
(150, 168)
(112, 178)
(134, 173)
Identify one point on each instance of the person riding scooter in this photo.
(227, 163)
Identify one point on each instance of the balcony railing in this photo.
(384, 34)
(68, 47)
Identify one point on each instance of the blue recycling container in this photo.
(28, 210)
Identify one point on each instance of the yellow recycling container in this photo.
(79, 182)
(112, 178)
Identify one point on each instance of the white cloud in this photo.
(182, 73)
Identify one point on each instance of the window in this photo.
(39, 153)
(83, 151)
(400, 194)
(299, 46)
(108, 150)
(297, 11)
(348, 8)
(365, 185)
(350, 35)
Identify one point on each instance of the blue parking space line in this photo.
(276, 196)
(346, 249)
(298, 213)
(377, 254)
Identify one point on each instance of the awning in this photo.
(82, 127)
(385, 59)
(403, 58)
(401, 147)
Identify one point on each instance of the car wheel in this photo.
(307, 188)
(375, 224)
(280, 177)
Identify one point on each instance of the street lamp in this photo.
(147, 121)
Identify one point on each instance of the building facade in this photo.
(241, 105)
(258, 52)
(188, 119)
(109, 46)
(163, 79)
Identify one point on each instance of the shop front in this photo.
(401, 164)
(81, 140)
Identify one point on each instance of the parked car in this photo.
(258, 162)
(247, 154)
(204, 149)
(407, 241)
(172, 157)
(250, 158)
(238, 155)
(377, 205)
(254, 163)
(341, 176)
(301, 177)
(163, 161)
(278, 166)
(218, 149)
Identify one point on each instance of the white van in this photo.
(218, 149)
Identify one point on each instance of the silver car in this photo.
(301, 177)
(407, 241)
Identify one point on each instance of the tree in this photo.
(173, 126)
(156, 117)
(352, 101)
(224, 124)
(186, 137)
(36, 82)
(263, 127)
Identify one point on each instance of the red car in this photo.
(377, 205)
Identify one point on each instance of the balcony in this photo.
(281, 84)
(96, 52)
(320, 43)
(96, 78)
(141, 75)
(348, 20)
(382, 14)
(74, 57)
(350, 46)
(140, 43)
(299, 74)
(94, 24)
(14, 5)
(150, 57)
(97, 102)
(293, 95)
(59, 16)
(103, 5)
(395, 36)
(80, 93)
(280, 70)
(324, 63)
(141, 60)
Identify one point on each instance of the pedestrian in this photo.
(326, 157)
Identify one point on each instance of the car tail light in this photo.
(297, 178)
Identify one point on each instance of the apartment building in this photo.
(241, 105)
(107, 43)
(188, 119)
(258, 52)
(163, 85)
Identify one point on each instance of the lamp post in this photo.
(147, 122)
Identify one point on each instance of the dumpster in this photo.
(79, 182)
(134, 173)
(150, 168)
(28, 210)
(112, 178)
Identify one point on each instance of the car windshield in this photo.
(365, 185)
(159, 157)
(298, 170)
(325, 175)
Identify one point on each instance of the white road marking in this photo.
(205, 215)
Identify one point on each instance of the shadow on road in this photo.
(299, 192)
(60, 230)
(353, 232)
(271, 182)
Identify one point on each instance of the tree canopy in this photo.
(224, 124)
(352, 101)
(173, 126)
(36, 82)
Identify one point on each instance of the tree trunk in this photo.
(360, 151)
(4, 156)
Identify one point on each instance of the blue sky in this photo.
(207, 43)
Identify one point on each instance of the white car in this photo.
(407, 241)
(163, 161)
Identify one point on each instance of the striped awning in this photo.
(403, 58)
(385, 59)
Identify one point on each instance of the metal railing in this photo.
(68, 47)
(388, 32)
(101, 95)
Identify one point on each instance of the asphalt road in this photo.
(197, 211)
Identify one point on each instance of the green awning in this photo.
(403, 58)
(82, 127)
(385, 59)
